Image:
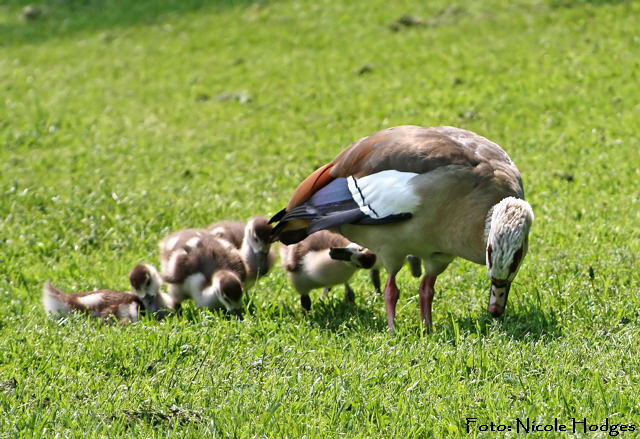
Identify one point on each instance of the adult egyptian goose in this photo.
(122, 305)
(253, 241)
(310, 263)
(207, 269)
(436, 193)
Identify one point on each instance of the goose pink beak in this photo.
(495, 310)
(498, 298)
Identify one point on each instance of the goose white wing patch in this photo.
(384, 193)
(91, 300)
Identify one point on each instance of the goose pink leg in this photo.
(426, 293)
(391, 294)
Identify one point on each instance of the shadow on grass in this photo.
(337, 315)
(520, 324)
(581, 3)
(66, 18)
(189, 312)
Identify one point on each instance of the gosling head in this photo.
(258, 235)
(146, 281)
(228, 289)
(354, 254)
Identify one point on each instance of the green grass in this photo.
(119, 124)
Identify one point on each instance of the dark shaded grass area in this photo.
(68, 18)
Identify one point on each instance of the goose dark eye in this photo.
(516, 261)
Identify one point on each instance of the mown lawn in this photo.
(123, 121)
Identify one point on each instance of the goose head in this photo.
(508, 225)
(146, 282)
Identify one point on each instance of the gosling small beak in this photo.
(149, 304)
(263, 266)
(360, 258)
(341, 253)
(498, 297)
